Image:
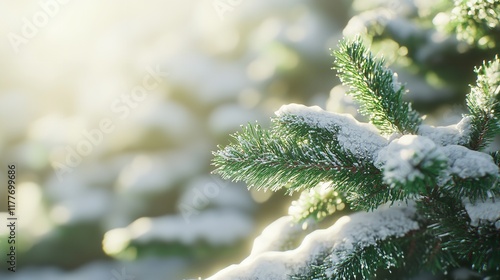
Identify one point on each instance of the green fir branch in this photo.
(267, 161)
(316, 203)
(477, 22)
(450, 224)
(473, 188)
(484, 105)
(392, 258)
(365, 262)
(295, 155)
(376, 88)
(496, 157)
(307, 147)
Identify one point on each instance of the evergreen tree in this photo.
(431, 44)
(425, 195)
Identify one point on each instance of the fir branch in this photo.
(477, 21)
(307, 146)
(376, 88)
(450, 223)
(496, 157)
(470, 174)
(268, 161)
(392, 258)
(473, 188)
(411, 163)
(404, 256)
(316, 203)
(360, 250)
(370, 196)
(484, 105)
(365, 262)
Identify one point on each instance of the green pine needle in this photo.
(307, 148)
(484, 105)
(316, 203)
(477, 21)
(268, 161)
(376, 89)
(450, 224)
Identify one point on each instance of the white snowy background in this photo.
(142, 202)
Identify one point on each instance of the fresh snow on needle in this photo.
(457, 134)
(361, 139)
(467, 163)
(364, 228)
(402, 158)
(488, 211)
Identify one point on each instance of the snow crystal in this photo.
(360, 228)
(402, 157)
(361, 139)
(395, 82)
(457, 134)
(484, 211)
(467, 163)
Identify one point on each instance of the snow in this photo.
(156, 173)
(358, 24)
(402, 7)
(396, 84)
(147, 268)
(82, 207)
(278, 236)
(10, 102)
(172, 118)
(363, 228)
(403, 29)
(457, 134)
(217, 227)
(340, 102)
(361, 139)
(216, 82)
(403, 158)
(205, 191)
(466, 163)
(487, 211)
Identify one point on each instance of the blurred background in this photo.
(110, 111)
